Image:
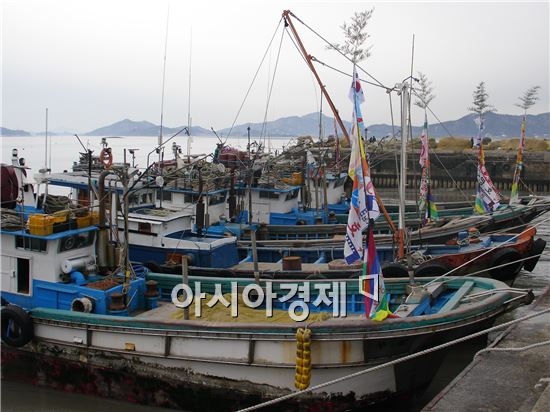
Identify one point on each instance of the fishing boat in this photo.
(113, 335)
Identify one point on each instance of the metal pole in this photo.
(185, 275)
(250, 180)
(255, 256)
(403, 167)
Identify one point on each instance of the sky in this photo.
(92, 63)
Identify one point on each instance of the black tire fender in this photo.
(432, 269)
(394, 270)
(17, 327)
(153, 266)
(536, 249)
(172, 269)
(501, 257)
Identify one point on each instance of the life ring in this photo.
(536, 249)
(431, 269)
(106, 157)
(501, 257)
(17, 327)
(394, 270)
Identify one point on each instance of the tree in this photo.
(424, 91)
(480, 103)
(355, 35)
(529, 98)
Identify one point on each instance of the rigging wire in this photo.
(264, 125)
(333, 47)
(312, 77)
(253, 79)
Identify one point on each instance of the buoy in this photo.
(302, 377)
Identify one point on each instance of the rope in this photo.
(10, 220)
(395, 361)
(504, 264)
(520, 349)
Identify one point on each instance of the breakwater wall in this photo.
(450, 169)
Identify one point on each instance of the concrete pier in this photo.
(506, 380)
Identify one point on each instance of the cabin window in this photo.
(144, 198)
(216, 199)
(31, 243)
(23, 275)
(269, 195)
(165, 195)
(293, 194)
(76, 241)
(144, 227)
(188, 198)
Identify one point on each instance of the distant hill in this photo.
(287, 127)
(496, 125)
(129, 127)
(9, 132)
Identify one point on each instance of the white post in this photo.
(403, 168)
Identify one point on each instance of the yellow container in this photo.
(84, 221)
(41, 225)
(59, 219)
(40, 230)
(295, 180)
(61, 216)
(37, 219)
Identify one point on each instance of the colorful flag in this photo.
(514, 196)
(371, 283)
(424, 157)
(363, 201)
(487, 198)
(311, 164)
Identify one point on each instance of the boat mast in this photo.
(189, 138)
(46, 159)
(309, 61)
(404, 87)
(163, 83)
